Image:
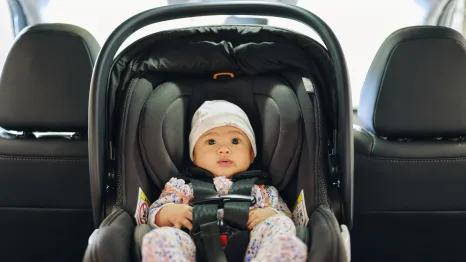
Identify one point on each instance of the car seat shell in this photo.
(136, 75)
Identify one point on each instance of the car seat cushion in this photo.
(408, 94)
(61, 102)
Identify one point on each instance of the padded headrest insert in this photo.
(268, 101)
(416, 85)
(45, 81)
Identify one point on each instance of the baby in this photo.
(221, 141)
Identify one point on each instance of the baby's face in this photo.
(224, 151)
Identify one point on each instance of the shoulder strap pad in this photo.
(262, 177)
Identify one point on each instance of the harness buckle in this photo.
(225, 232)
(224, 239)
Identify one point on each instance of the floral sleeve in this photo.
(176, 191)
(267, 196)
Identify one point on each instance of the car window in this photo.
(6, 31)
(360, 25)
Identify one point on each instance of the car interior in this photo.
(355, 106)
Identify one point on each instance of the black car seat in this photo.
(410, 153)
(281, 79)
(45, 204)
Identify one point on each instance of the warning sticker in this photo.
(142, 208)
(299, 214)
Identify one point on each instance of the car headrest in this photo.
(416, 85)
(44, 85)
(269, 102)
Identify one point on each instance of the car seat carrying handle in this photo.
(99, 130)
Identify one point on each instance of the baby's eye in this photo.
(235, 141)
(211, 142)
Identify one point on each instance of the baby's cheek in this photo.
(202, 165)
(244, 165)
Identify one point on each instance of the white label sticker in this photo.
(142, 208)
(299, 214)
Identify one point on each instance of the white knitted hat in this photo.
(216, 113)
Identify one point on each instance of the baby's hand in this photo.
(176, 215)
(257, 215)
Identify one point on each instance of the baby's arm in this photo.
(273, 200)
(268, 203)
(176, 191)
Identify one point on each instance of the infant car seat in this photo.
(295, 94)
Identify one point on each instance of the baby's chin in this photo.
(219, 172)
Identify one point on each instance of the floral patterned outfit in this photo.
(274, 239)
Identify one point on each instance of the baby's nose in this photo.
(223, 150)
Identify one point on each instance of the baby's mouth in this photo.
(224, 162)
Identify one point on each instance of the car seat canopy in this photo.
(241, 50)
(219, 48)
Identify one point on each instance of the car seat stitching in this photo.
(320, 147)
(459, 159)
(44, 159)
(121, 181)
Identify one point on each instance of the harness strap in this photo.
(236, 214)
(207, 212)
(206, 231)
(210, 235)
(205, 223)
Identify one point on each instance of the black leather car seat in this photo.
(410, 153)
(45, 204)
